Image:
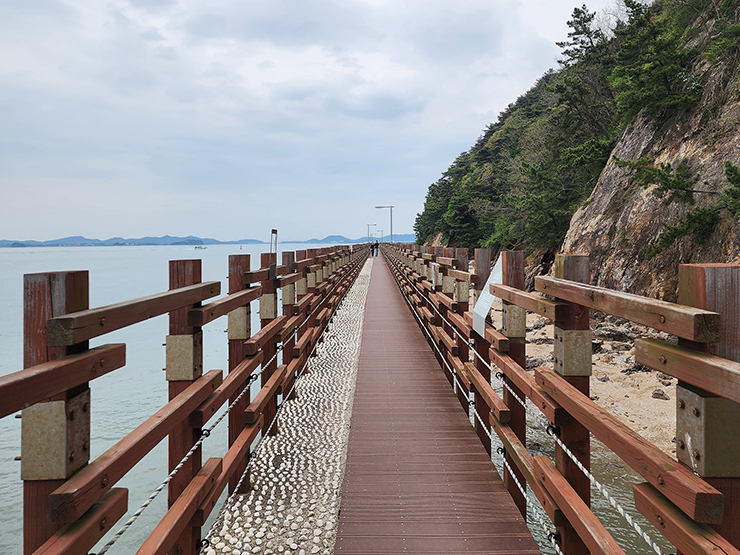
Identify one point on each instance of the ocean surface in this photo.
(124, 398)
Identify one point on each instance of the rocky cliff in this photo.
(621, 218)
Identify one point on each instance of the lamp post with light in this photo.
(391, 207)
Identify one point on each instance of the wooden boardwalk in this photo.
(418, 479)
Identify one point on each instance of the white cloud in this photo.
(219, 118)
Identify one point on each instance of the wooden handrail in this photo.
(38, 383)
(208, 313)
(690, 323)
(532, 302)
(589, 528)
(81, 491)
(166, 533)
(678, 483)
(712, 373)
(77, 327)
(90, 529)
(691, 538)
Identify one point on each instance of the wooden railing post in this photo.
(705, 422)
(572, 360)
(482, 359)
(55, 435)
(184, 366)
(515, 327)
(239, 330)
(288, 300)
(268, 312)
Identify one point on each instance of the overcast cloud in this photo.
(227, 118)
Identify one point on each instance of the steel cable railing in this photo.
(207, 432)
(600, 487)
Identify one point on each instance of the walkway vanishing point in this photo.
(416, 477)
(418, 480)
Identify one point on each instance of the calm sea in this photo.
(123, 399)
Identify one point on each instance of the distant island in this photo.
(79, 241)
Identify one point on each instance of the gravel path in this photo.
(293, 504)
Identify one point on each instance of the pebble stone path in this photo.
(296, 475)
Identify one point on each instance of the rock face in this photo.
(620, 218)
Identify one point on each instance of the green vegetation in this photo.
(523, 179)
(701, 222)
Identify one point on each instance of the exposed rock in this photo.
(660, 394)
(620, 218)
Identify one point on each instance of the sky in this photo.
(228, 118)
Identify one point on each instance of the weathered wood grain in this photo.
(82, 535)
(678, 483)
(531, 302)
(598, 540)
(174, 523)
(691, 538)
(208, 313)
(87, 324)
(711, 373)
(690, 323)
(32, 385)
(70, 501)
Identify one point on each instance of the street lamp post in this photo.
(391, 207)
(381, 235)
(368, 231)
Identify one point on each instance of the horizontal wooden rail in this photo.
(236, 453)
(598, 540)
(690, 323)
(70, 501)
(678, 483)
(526, 465)
(77, 327)
(525, 382)
(166, 533)
(264, 396)
(81, 536)
(497, 340)
(258, 340)
(490, 397)
(38, 383)
(532, 302)
(201, 316)
(712, 373)
(232, 383)
(691, 538)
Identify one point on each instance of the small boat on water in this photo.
(200, 247)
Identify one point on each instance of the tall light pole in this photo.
(381, 235)
(368, 231)
(391, 207)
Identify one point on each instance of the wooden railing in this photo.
(70, 503)
(695, 501)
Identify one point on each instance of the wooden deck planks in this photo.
(417, 480)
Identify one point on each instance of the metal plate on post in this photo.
(514, 321)
(705, 427)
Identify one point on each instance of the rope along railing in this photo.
(546, 529)
(321, 278)
(581, 468)
(500, 377)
